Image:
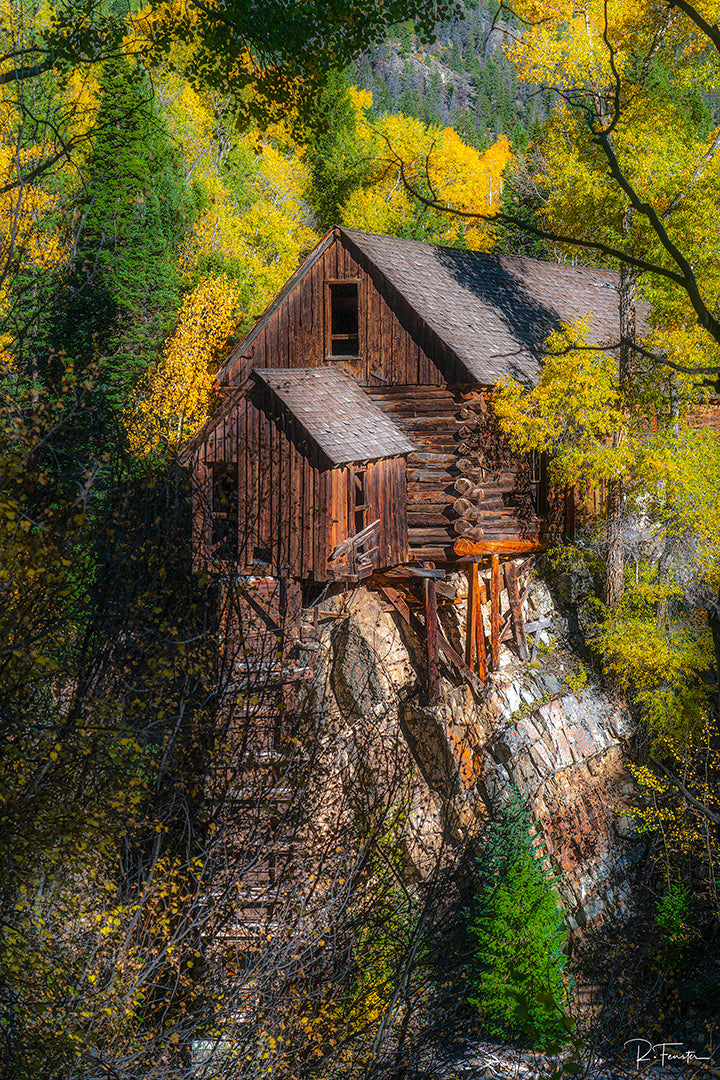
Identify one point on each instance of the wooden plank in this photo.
(314, 340)
(431, 630)
(472, 612)
(402, 516)
(283, 318)
(400, 351)
(322, 524)
(479, 628)
(386, 340)
(384, 477)
(498, 547)
(516, 610)
(353, 541)
(375, 361)
(305, 549)
(295, 511)
(495, 613)
(434, 552)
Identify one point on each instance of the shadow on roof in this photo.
(528, 317)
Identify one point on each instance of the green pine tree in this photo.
(121, 299)
(517, 975)
(338, 164)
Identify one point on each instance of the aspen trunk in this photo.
(615, 559)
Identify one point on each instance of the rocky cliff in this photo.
(543, 725)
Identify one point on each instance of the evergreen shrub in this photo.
(517, 975)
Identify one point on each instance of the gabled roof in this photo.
(493, 311)
(305, 266)
(344, 422)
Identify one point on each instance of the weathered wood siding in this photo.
(396, 346)
(291, 504)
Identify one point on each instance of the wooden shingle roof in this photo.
(495, 312)
(345, 423)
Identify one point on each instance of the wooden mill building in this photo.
(356, 440)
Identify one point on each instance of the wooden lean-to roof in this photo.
(493, 311)
(345, 423)
(330, 408)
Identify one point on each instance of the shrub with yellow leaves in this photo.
(173, 398)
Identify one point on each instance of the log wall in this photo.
(446, 456)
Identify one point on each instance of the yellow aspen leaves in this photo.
(459, 176)
(173, 398)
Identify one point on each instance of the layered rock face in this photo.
(540, 725)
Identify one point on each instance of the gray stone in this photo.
(552, 684)
(512, 697)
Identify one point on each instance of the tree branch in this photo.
(677, 783)
(542, 234)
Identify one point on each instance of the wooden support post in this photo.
(475, 634)
(472, 611)
(431, 631)
(495, 612)
(516, 610)
(479, 629)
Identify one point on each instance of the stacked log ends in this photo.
(469, 433)
(469, 468)
(465, 486)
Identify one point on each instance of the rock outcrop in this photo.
(543, 726)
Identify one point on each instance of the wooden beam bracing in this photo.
(431, 631)
(495, 585)
(516, 610)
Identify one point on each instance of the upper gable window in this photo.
(342, 319)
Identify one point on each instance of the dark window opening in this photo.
(538, 482)
(530, 492)
(262, 557)
(224, 510)
(344, 319)
(360, 507)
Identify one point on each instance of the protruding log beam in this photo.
(463, 527)
(467, 509)
(495, 586)
(498, 547)
(431, 630)
(468, 488)
(516, 610)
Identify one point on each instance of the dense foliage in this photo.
(517, 978)
(162, 176)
